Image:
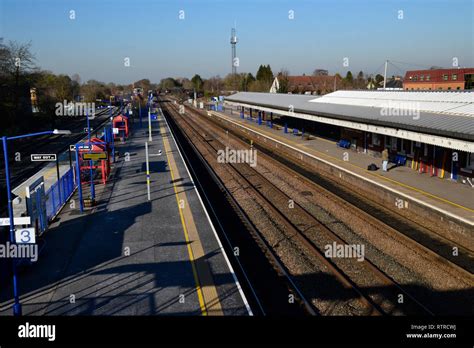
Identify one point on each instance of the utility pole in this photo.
(385, 75)
(149, 121)
(147, 171)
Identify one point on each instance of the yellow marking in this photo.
(423, 192)
(207, 294)
(284, 140)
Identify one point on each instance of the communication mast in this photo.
(233, 43)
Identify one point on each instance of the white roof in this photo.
(441, 102)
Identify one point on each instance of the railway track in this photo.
(22, 170)
(302, 224)
(256, 252)
(51, 143)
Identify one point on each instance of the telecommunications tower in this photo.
(233, 43)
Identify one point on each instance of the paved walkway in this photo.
(131, 256)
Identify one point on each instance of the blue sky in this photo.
(159, 44)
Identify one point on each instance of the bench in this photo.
(400, 160)
(344, 143)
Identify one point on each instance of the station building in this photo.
(431, 132)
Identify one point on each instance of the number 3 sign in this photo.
(25, 236)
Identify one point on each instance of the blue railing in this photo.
(59, 193)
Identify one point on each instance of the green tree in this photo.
(169, 83)
(283, 81)
(378, 79)
(349, 77)
(265, 73)
(197, 83)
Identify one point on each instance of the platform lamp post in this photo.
(5, 139)
(91, 161)
(112, 129)
(149, 118)
(113, 138)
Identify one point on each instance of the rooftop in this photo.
(442, 113)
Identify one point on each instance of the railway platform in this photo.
(452, 203)
(133, 256)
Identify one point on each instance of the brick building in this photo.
(439, 79)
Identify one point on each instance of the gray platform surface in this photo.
(84, 257)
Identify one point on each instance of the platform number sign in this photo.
(25, 236)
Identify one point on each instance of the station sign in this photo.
(115, 130)
(94, 156)
(81, 147)
(25, 236)
(43, 157)
(154, 117)
(24, 220)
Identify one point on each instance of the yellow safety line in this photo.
(423, 192)
(285, 140)
(186, 235)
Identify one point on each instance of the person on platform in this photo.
(384, 159)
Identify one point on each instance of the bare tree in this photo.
(15, 61)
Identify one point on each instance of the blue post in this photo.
(286, 128)
(259, 120)
(52, 197)
(78, 176)
(112, 122)
(17, 304)
(91, 163)
(241, 114)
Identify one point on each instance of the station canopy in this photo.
(442, 118)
